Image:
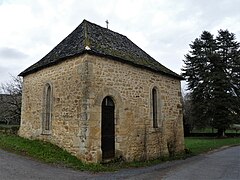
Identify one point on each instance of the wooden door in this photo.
(108, 129)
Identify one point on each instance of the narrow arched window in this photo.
(154, 108)
(47, 109)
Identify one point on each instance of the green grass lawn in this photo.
(49, 153)
(45, 152)
(199, 145)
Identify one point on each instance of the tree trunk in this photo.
(221, 133)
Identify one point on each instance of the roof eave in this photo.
(24, 73)
(136, 65)
(27, 72)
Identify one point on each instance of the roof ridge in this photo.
(94, 24)
(89, 37)
(86, 40)
(88, 22)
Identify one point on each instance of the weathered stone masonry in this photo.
(80, 84)
(100, 96)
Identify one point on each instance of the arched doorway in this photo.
(108, 129)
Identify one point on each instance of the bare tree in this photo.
(10, 101)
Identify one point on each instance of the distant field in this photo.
(8, 126)
(210, 130)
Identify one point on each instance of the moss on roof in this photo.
(94, 39)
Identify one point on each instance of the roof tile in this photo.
(94, 39)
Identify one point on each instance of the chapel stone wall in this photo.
(130, 87)
(80, 84)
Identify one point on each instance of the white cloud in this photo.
(11, 53)
(162, 28)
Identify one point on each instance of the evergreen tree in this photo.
(212, 73)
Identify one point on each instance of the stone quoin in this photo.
(99, 96)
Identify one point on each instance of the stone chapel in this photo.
(99, 96)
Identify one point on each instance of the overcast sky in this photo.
(29, 29)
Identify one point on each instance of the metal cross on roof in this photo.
(107, 23)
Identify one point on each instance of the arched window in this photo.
(154, 108)
(47, 114)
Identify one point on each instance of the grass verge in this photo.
(198, 145)
(46, 152)
(49, 153)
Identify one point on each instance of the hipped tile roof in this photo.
(94, 39)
